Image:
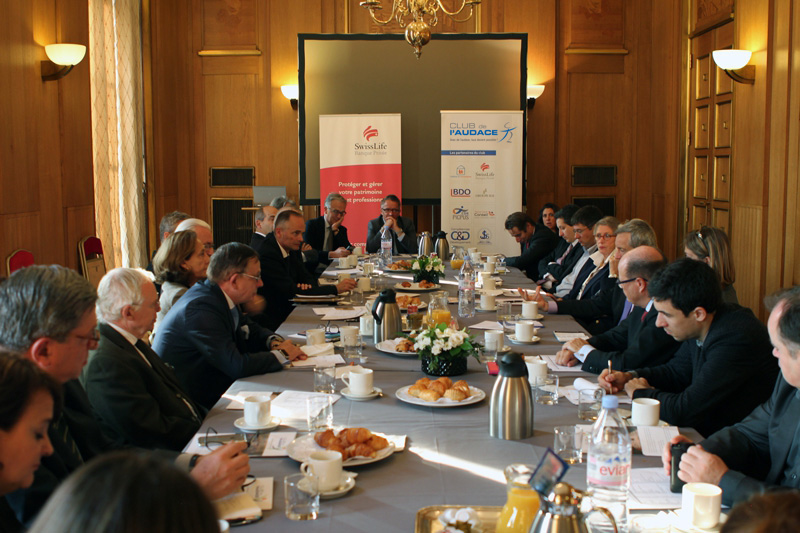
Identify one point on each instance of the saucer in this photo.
(482, 310)
(273, 423)
(540, 316)
(345, 485)
(359, 398)
(513, 338)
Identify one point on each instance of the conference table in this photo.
(449, 457)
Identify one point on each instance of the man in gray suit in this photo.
(760, 453)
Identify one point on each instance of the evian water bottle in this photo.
(386, 246)
(608, 472)
(466, 290)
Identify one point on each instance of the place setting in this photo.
(257, 417)
(524, 333)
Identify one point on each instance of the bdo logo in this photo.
(460, 193)
(459, 235)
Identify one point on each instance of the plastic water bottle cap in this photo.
(610, 402)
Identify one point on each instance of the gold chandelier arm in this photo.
(372, 9)
(457, 12)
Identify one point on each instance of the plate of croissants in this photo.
(423, 285)
(358, 446)
(441, 392)
(398, 346)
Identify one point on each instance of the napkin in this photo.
(315, 350)
(344, 314)
(487, 324)
(278, 442)
(291, 404)
(320, 360)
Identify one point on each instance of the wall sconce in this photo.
(291, 93)
(534, 92)
(64, 55)
(734, 64)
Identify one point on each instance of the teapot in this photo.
(387, 316)
(442, 247)
(511, 403)
(560, 512)
(424, 243)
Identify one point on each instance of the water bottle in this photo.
(608, 472)
(386, 246)
(466, 290)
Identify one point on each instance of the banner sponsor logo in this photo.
(460, 213)
(459, 235)
(460, 193)
(471, 129)
(483, 214)
(370, 132)
(485, 236)
(508, 133)
(484, 167)
(484, 193)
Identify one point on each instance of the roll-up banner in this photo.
(481, 178)
(360, 159)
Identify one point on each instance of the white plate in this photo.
(481, 310)
(273, 423)
(359, 398)
(513, 338)
(388, 346)
(475, 396)
(302, 447)
(415, 287)
(345, 486)
(421, 305)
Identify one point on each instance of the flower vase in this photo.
(427, 275)
(445, 367)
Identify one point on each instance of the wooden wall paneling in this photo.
(230, 114)
(230, 25)
(200, 191)
(79, 223)
(22, 230)
(748, 230)
(792, 261)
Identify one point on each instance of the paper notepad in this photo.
(291, 404)
(650, 490)
(320, 360)
(238, 506)
(565, 336)
(654, 438)
(278, 442)
(552, 365)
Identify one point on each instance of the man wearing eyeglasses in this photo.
(203, 231)
(402, 230)
(326, 234)
(723, 368)
(636, 342)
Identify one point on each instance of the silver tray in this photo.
(428, 517)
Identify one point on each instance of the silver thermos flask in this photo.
(511, 404)
(388, 322)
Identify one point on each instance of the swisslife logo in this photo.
(484, 167)
(370, 148)
(485, 172)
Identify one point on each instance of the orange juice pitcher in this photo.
(438, 309)
(522, 502)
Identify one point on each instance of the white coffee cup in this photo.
(645, 412)
(367, 323)
(700, 504)
(359, 381)
(475, 256)
(357, 251)
(487, 301)
(341, 276)
(368, 268)
(494, 339)
(472, 250)
(352, 261)
(256, 410)
(327, 466)
(489, 267)
(536, 368)
(530, 310)
(524, 330)
(489, 282)
(349, 334)
(315, 336)
(363, 284)
(491, 259)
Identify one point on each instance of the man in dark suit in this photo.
(725, 351)
(557, 263)
(136, 396)
(47, 315)
(264, 220)
(759, 454)
(636, 342)
(208, 340)
(326, 234)
(402, 230)
(535, 242)
(283, 272)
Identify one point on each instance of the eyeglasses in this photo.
(208, 246)
(90, 340)
(579, 231)
(336, 212)
(623, 282)
(388, 210)
(604, 235)
(254, 278)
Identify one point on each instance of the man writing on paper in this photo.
(636, 342)
(762, 452)
(725, 350)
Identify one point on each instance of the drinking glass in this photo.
(324, 379)
(547, 389)
(589, 403)
(301, 495)
(505, 315)
(319, 412)
(568, 443)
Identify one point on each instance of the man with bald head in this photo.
(203, 231)
(636, 342)
(264, 222)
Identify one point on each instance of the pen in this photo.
(609, 367)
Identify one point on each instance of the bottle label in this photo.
(608, 471)
(386, 244)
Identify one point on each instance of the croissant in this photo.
(429, 395)
(437, 386)
(415, 390)
(460, 384)
(447, 382)
(423, 382)
(377, 442)
(455, 394)
(336, 447)
(355, 435)
(463, 388)
(323, 438)
(360, 450)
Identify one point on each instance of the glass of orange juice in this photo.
(456, 264)
(522, 501)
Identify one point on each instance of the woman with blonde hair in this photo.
(180, 262)
(711, 245)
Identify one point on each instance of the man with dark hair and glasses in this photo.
(723, 368)
(326, 234)
(636, 342)
(402, 230)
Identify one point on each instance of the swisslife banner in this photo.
(360, 159)
(481, 178)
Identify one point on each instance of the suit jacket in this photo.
(552, 257)
(408, 245)
(256, 240)
(208, 352)
(281, 277)
(717, 384)
(757, 448)
(634, 343)
(8, 520)
(138, 404)
(541, 243)
(315, 236)
(599, 313)
(559, 271)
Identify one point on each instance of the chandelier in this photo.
(418, 28)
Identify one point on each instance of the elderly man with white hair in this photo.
(136, 396)
(203, 231)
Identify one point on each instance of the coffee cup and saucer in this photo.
(359, 385)
(524, 333)
(326, 465)
(257, 415)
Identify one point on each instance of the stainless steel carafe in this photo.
(425, 243)
(442, 247)
(511, 405)
(387, 316)
(560, 512)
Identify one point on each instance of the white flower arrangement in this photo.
(425, 267)
(444, 342)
